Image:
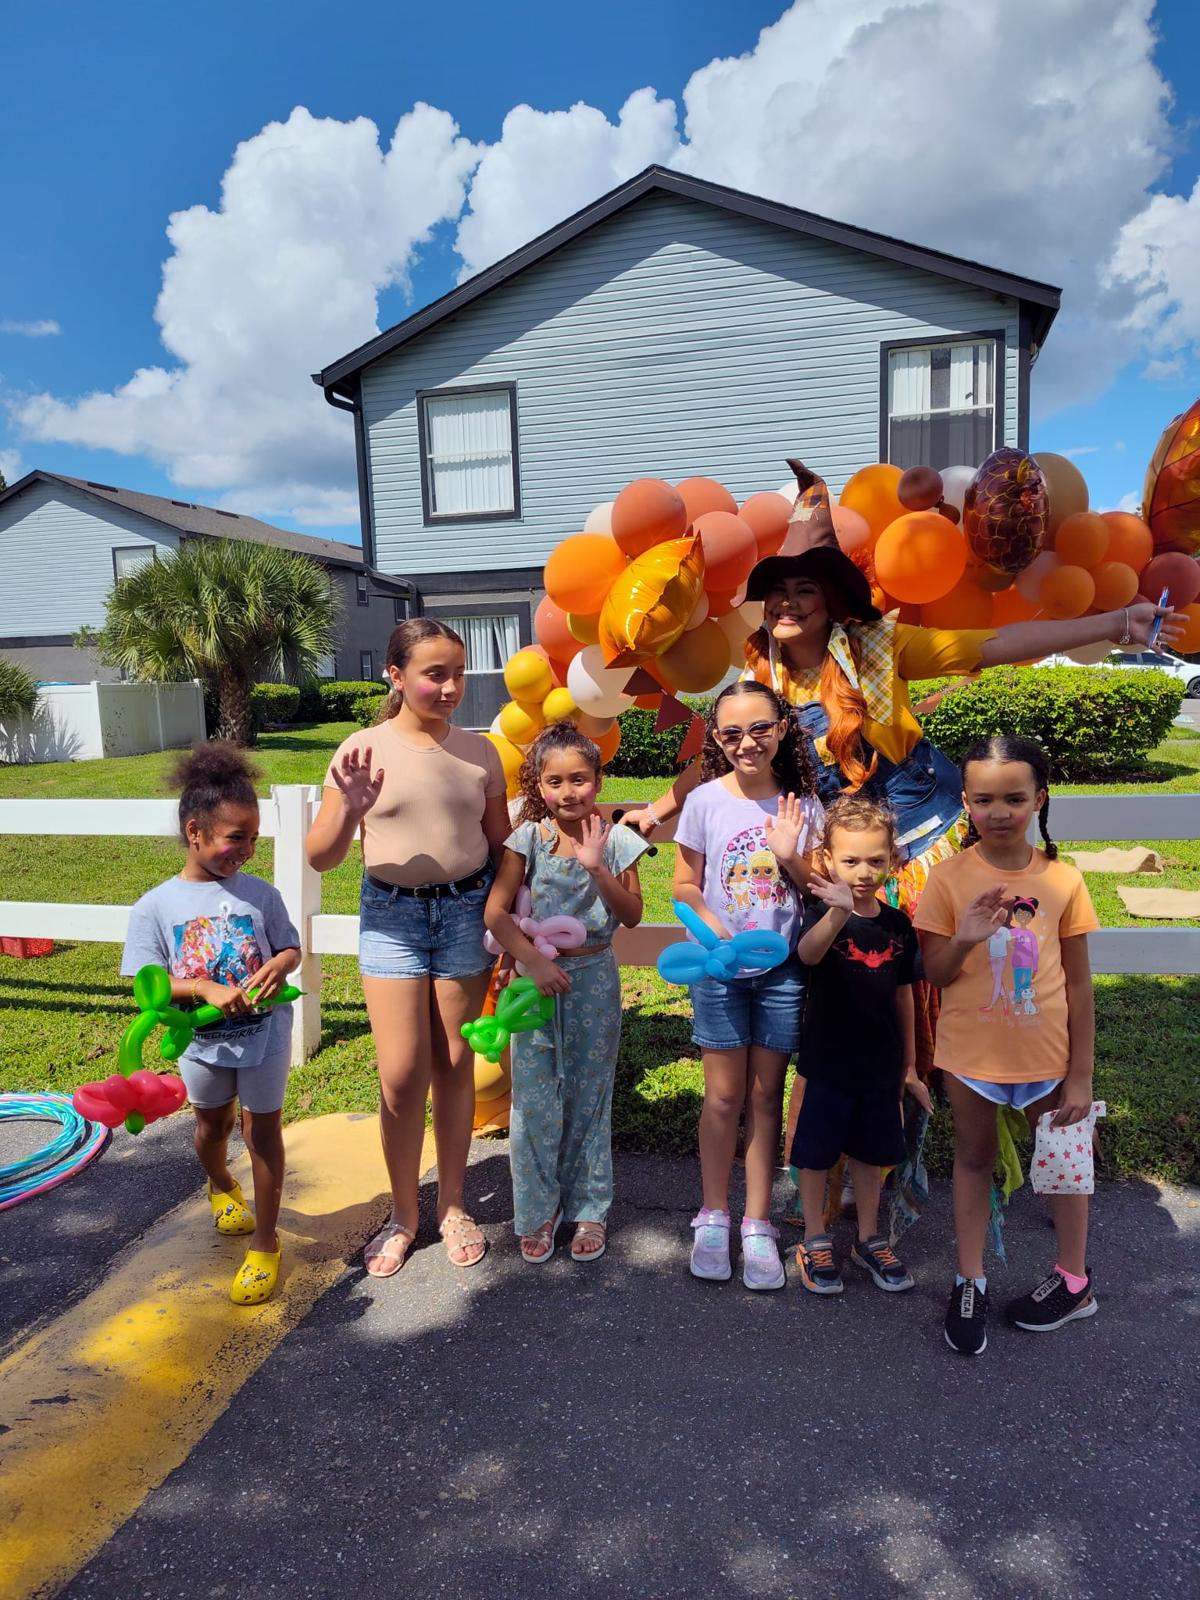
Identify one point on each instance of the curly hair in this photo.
(857, 813)
(208, 777)
(402, 641)
(557, 738)
(844, 705)
(1011, 747)
(792, 764)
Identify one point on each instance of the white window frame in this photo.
(432, 397)
(147, 553)
(995, 403)
(367, 657)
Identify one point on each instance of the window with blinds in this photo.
(128, 559)
(469, 453)
(941, 404)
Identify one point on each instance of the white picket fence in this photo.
(287, 814)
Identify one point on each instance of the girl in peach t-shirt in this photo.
(1017, 1024)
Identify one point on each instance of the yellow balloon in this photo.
(527, 676)
(585, 628)
(559, 705)
(652, 601)
(521, 724)
(510, 757)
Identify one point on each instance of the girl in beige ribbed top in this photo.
(427, 802)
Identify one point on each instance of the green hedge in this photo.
(646, 754)
(337, 698)
(18, 692)
(274, 703)
(367, 708)
(1088, 720)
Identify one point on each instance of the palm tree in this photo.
(227, 612)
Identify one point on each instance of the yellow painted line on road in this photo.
(101, 1404)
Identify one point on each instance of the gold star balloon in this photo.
(1171, 497)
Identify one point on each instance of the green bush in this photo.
(18, 692)
(646, 754)
(274, 704)
(338, 698)
(1088, 720)
(310, 708)
(367, 708)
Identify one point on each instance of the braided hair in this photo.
(552, 741)
(1011, 747)
(792, 764)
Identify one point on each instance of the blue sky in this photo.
(116, 117)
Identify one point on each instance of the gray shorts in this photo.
(259, 1088)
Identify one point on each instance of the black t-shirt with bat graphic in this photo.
(851, 1035)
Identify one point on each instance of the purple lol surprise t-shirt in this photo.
(744, 886)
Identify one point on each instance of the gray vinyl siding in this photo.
(56, 548)
(672, 339)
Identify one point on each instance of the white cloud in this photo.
(1080, 450)
(1128, 502)
(1155, 260)
(11, 467)
(315, 219)
(30, 330)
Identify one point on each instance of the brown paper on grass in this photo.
(1137, 860)
(1174, 903)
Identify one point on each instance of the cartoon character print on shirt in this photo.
(1015, 944)
(751, 879)
(222, 948)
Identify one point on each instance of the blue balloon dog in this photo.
(714, 957)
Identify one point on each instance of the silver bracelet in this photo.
(1126, 636)
(652, 814)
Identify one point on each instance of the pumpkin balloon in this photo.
(1178, 574)
(1066, 488)
(730, 550)
(1116, 585)
(852, 529)
(766, 515)
(527, 677)
(550, 627)
(872, 492)
(1129, 539)
(965, 606)
(1189, 644)
(1067, 592)
(1171, 499)
(645, 513)
(596, 688)
(701, 495)
(1082, 539)
(1004, 513)
(581, 571)
(649, 605)
(697, 661)
(920, 489)
(919, 557)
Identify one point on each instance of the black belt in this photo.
(433, 891)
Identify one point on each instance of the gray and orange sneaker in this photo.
(819, 1271)
(876, 1256)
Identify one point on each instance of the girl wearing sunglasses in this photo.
(743, 839)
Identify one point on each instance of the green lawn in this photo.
(63, 1014)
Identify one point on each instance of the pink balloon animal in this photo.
(548, 936)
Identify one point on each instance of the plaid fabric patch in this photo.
(875, 677)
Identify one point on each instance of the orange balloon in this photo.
(1178, 574)
(580, 572)
(920, 557)
(609, 743)
(766, 515)
(550, 627)
(1129, 539)
(701, 495)
(697, 661)
(1116, 585)
(852, 529)
(872, 492)
(1010, 605)
(1190, 643)
(1067, 592)
(649, 605)
(730, 550)
(966, 606)
(1082, 540)
(720, 602)
(645, 513)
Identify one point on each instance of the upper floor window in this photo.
(469, 466)
(941, 403)
(132, 558)
(364, 593)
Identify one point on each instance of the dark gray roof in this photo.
(1039, 300)
(204, 521)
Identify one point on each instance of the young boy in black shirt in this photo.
(857, 1046)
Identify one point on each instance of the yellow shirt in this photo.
(1004, 1018)
(891, 655)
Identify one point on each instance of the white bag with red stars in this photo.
(1062, 1157)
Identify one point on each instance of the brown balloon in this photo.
(919, 489)
(1005, 511)
(951, 513)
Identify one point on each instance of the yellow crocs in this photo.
(230, 1212)
(255, 1280)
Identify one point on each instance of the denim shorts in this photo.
(764, 1010)
(400, 936)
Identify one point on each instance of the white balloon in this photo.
(1088, 655)
(596, 688)
(955, 482)
(496, 728)
(600, 519)
(699, 614)
(789, 491)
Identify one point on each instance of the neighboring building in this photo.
(675, 327)
(63, 542)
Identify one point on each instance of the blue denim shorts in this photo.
(764, 1010)
(400, 936)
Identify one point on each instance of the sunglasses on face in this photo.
(760, 732)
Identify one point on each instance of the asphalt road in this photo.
(619, 1429)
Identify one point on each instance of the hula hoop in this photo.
(66, 1154)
